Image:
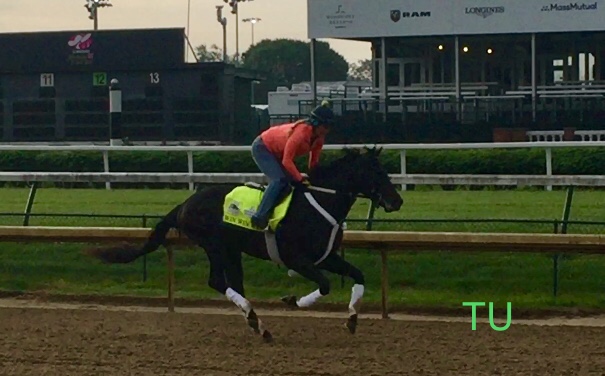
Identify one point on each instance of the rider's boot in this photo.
(271, 197)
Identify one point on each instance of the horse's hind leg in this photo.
(337, 265)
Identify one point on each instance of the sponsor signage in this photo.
(484, 11)
(340, 18)
(565, 7)
(396, 15)
(65, 51)
(400, 18)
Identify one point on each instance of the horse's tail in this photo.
(127, 253)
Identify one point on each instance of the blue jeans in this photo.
(279, 179)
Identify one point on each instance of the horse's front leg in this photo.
(235, 278)
(337, 265)
(251, 318)
(312, 273)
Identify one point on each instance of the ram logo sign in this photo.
(396, 15)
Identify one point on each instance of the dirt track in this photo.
(89, 340)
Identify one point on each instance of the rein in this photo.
(335, 192)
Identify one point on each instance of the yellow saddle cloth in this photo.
(241, 204)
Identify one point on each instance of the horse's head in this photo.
(359, 171)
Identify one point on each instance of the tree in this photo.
(214, 53)
(288, 61)
(361, 70)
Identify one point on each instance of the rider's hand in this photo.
(303, 183)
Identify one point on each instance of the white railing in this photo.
(585, 136)
(540, 136)
(591, 135)
(224, 177)
(402, 148)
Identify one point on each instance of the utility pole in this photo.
(92, 6)
(235, 10)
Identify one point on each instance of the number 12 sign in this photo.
(99, 79)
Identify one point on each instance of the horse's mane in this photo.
(335, 167)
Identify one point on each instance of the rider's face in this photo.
(321, 130)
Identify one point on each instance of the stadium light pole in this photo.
(188, 30)
(253, 21)
(188, 16)
(93, 6)
(235, 10)
(223, 21)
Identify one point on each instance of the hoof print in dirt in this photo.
(290, 301)
(267, 337)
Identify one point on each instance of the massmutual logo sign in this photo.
(483, 11)
(397, 15)
(557, 7)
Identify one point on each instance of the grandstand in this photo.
(57, 89)
(468, 70)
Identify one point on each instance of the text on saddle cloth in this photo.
(241, 203)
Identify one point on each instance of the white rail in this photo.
(213, 178)
(231, 148)
(403, 177)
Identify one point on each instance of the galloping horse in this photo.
(305, 241)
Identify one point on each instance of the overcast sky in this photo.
(280, 19)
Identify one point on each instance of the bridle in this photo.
(375, 196)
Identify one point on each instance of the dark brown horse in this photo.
(305, 241)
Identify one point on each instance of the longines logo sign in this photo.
(396, 15)
(555, 7)
(484, 11)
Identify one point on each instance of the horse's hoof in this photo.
(267, 337)
(290, 300)
(253, 322)
(352, 323)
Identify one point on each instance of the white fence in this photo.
(547, 180)
(539, 136)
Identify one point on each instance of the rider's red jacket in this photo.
(292, 140)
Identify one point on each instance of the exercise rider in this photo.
(274, 152)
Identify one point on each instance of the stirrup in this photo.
(254, 185)
(265, 227)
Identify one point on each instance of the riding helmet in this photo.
(322, 115)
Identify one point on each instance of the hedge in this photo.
(566, 161)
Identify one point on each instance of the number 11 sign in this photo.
(47, 80)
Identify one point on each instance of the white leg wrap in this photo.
(239, 300)
(309, 300)
(356, 295)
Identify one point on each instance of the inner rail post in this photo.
(170, 255)
(384, 282)
(384, 278)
